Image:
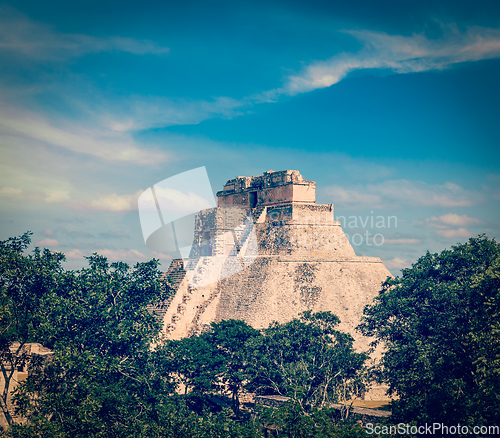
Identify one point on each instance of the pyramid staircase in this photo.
(172, 312)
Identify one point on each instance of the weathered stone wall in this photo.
(271, 188)
(215, 228)
(19, 358)
(303, 240)
(276, 288)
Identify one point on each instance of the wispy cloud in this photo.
(400, 54)
(452, 219)
(137, 113)
(108, 202)
(397, 263)
(122, 254)
(175, 201)
(114, 202)
(74, 254)
(101, 202)
(47, 243)
(443, 224)
(399, 193)
(11, 191)
(42, 42)
(27, 127)
(451, 234)
(28, 172)
(48, 196)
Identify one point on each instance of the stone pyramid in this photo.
(294, 258)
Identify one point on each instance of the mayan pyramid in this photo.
(267, 253)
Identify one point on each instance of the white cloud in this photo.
(443, 223)
(111, 254)
(11, 191)
(429, 224)
(74, 254)
(102, 143)
(397, 263)
(398, 193)
(450, 234)
(154, 112)
(47, 242)
(454, 219)
(109, 202)
(42, 42)
(57, 196)
(48, 232)
(175, 201)
(350, 196)
(30, 173)
(108, 125)
(48, 196)
(401, 54)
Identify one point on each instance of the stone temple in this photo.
(298, 259)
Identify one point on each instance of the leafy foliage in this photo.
(111, 376)
(97, 323)
(230, 339)
(195, 363)
(308, 360)
(440, 323)
(25, 284)
(101, 331)
(292, 421)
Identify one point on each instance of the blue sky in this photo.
(393, 108)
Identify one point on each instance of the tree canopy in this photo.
(26, 282)
(98, 325)
(308, 360)
(110, 375)
(440, 323)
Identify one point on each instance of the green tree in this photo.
(25, 283)
(103, 379)
(308, 360)
(440, 325)
(214, 362)
(290, 420)
(194, 363)
(230, 339)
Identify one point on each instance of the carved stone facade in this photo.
(302, 261)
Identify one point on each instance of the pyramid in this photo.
(294, 257)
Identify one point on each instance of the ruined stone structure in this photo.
(299, 259)
(15, 370)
